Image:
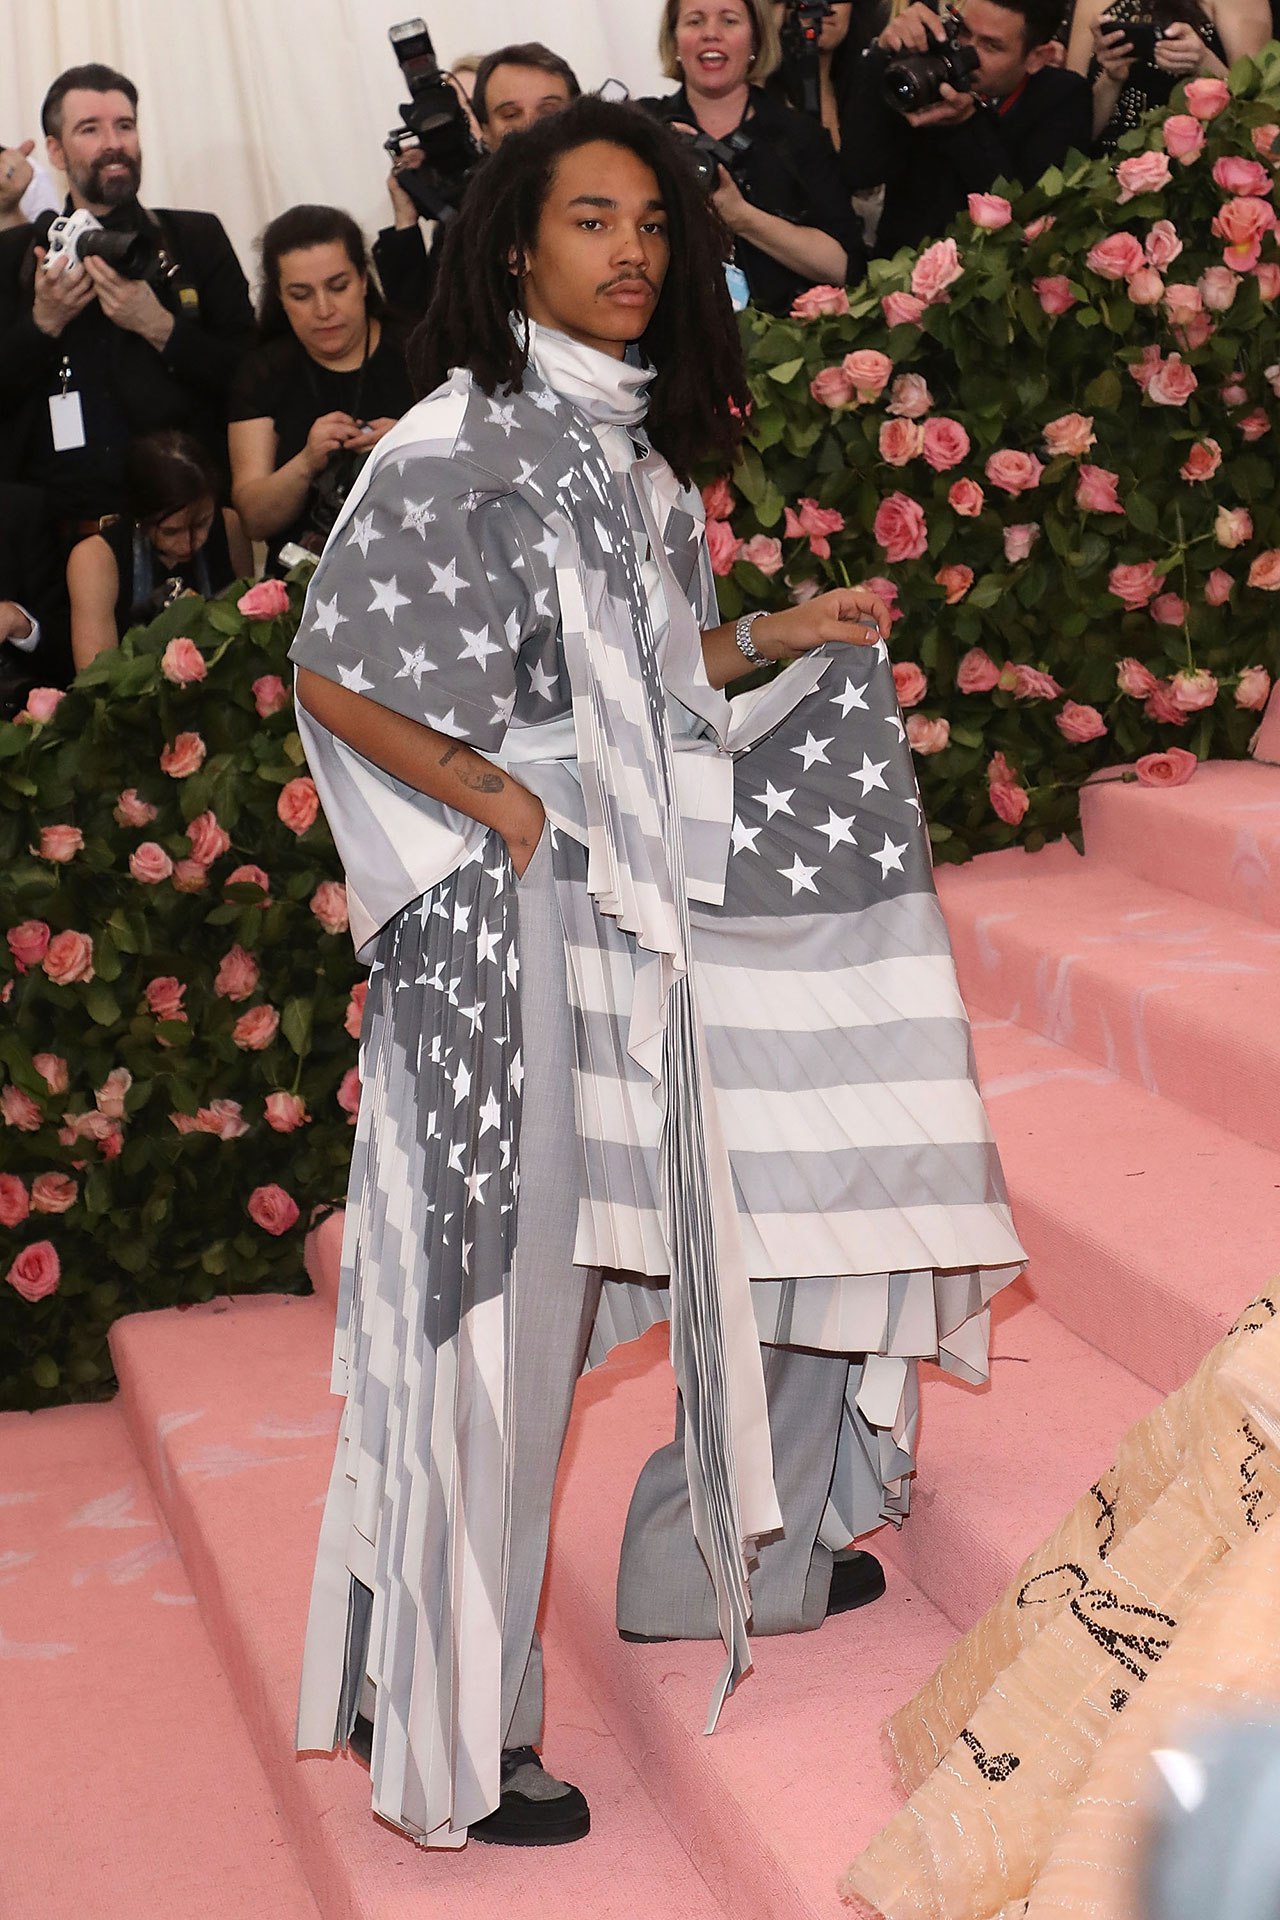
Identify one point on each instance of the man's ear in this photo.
(57, 158)
(1050, 53)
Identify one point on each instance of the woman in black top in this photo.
(324, 386)
(790, 217)
(174, 540)
(1196, 37)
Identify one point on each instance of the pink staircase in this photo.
(1125, 1011)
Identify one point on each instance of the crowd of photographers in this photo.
(153, 426)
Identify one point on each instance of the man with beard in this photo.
(89, 357)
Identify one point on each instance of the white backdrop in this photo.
(249, 106)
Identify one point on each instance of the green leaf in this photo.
(101, 1006)
(296, 1023)
(1104, 391)
(786, 370)
(225, 619)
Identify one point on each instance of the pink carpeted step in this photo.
(128, 1783)
(1148, 1228)
(1217, 838)
(1177, 995)
(230, 1408)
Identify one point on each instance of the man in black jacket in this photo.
(1023, 114)
(89, 357)
(35, 648)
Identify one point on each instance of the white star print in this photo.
(490, 1113)
(881, 650)
(527, 470)
(892, 720)
(504, 704)
(461, 1083)
(478, 646)
(542, 604)
(444, 722)
(487, 942)
(474, 1184)
(415, 665)
(418, 516)
(456, 1152)
(890, 857)
(362, 532)
(850, 698)
(515, 1074)
(837, 830)
(353, 678)
(913, 801)
(461, 921)
(774, 799)
(549, 547)
(328, 619)
(800, 876)
(386, 598)
(813, 750)
(870, 773)
(546, 400)
(474, 1014)
(500, 416)
(742, 836)
(447, 581)
(541, 683)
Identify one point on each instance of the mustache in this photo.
(636, 279)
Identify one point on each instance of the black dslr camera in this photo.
(708, 156)
(79, 236)
(435, 120)
(800, 33)
(913, 81)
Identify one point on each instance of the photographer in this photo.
(323, 387)
(1134, 54)
(1013, 114)
(91, 356)
(844, 31)
(790, 218)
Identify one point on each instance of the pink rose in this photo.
(183, 756)
(1145, 287)
(150, 864)
(1193, 689)
(1079, 723)
(130, 811)
(902, 310)
(1236, 175)
(18, 1109)
(1096, 491)
(719, 502)
(867, 372)
(36, 1271)
(1267, 275)
(936, 269)
(1218, 288)
(723, 546)
(989, 211)
(1019, 540)
(329, 905)
(266, 601)
(1010, 803)
(54, 1193)
(1145, 369)
(222, 1118)
(1264, 571)
(69, 959)
(1137, 585)
(28, 942)
(946, 444)
(15, 1204)
(183, 663)
(355, 1009)
(1000, 773)
(1254, 425)
(1232, 526)
(1141, 173)
(1030, 684)
(977, 672)
(1253, 689)
(1207, 98)
(1172, 768)
(272, 1209)
(1173, 383)
(966, 496)
(164, 997)
(1182, 303)
(885, 590)
(909, 397)
(237, 975)
(1183, 137)
(927, 736)
(1116, 257)
(1163, 708)
(901, 441)
(957, 581)
(1013, 472)
(42, 704)
(910, 682)
(110, 1096)
(59, 844)
(254, 1031)
(1264, 138)
(269, 695)
(1194, 334)
(1134, 679)
(901, 528)
(349, 1094)
(764, 553)
(209, 840)
(251, 877)
(832, 388)
(815, 301)
(1217, 588)
(1053, 291)
(298, 804)
(814, 523)
(189, 876)
(1202, 462)
(285, 1112)
(1168, 610)
(52, 1069)
(1243, 224)
(1071, 433)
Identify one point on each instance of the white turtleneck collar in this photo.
(610, 392)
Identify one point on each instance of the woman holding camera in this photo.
(781, 198)
(326, 382)
(1135, 52)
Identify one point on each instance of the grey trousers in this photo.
(663, 1587)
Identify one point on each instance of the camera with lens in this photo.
(435, 121)
(1143, 36)
(800, 33)
(708, 155)
(913, 81)
(78, 236)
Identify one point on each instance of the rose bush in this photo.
(176, 979)
(1055, 432)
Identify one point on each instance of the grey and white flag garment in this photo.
(773, 1076)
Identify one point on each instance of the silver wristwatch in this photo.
(745, 645)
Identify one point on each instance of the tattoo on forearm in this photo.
(483, 782)
(450, 752)
(478, 779)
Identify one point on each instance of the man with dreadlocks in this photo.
(661, 1016)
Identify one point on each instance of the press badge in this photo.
(66, 420)
(739, 291)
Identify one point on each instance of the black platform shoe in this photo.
(857, 1578)
(536, 1809)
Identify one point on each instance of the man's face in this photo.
(517, 96)
(601, 256)
(98, 149)
(998, 36)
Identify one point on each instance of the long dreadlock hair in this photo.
(699, 398)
